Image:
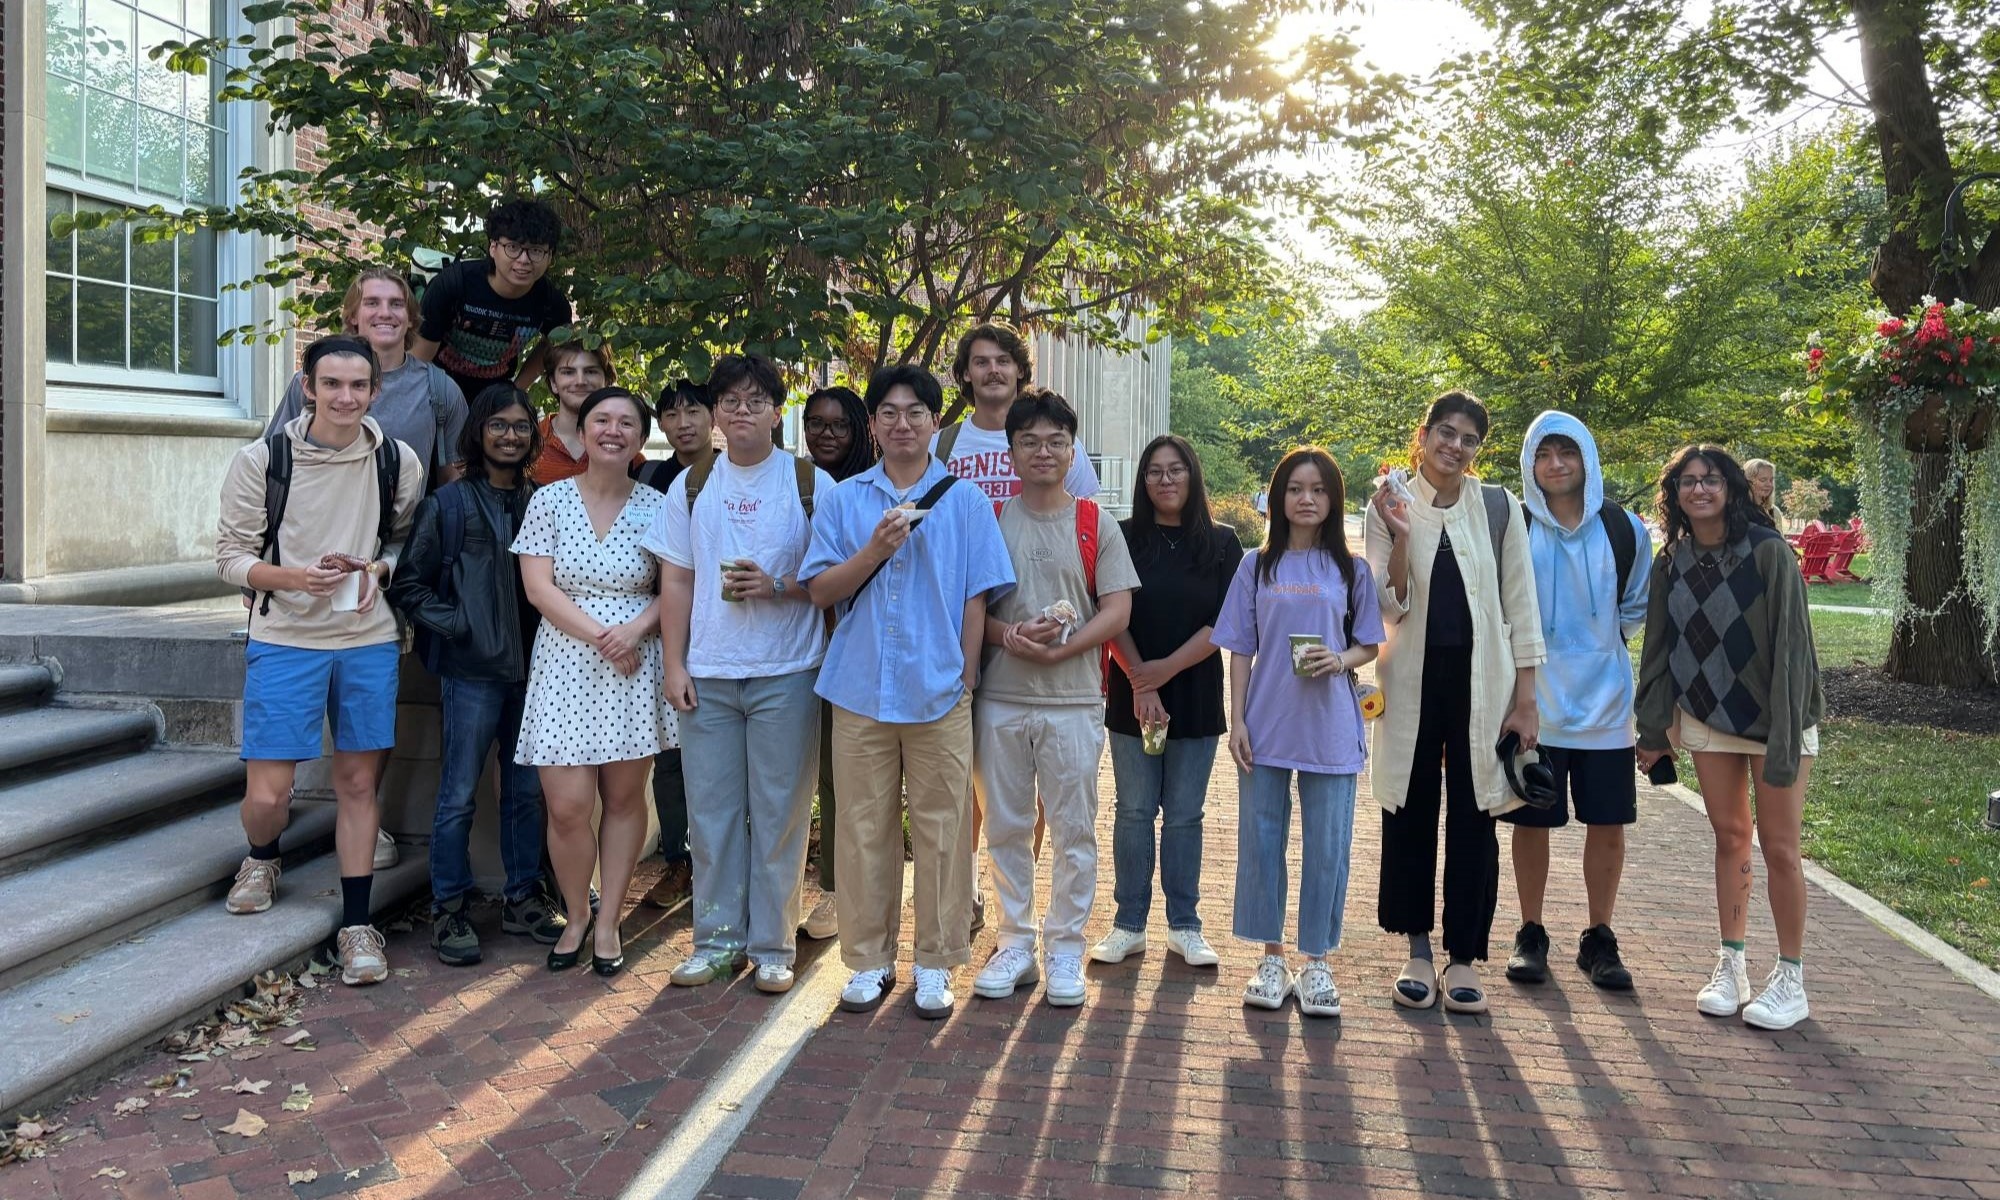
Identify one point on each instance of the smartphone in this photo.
(1663, 772)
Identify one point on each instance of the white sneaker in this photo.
(1066, 987)
(864, 992)
(823, 921)
(1782, 1003)
(386, 854)
(773, 977)
(934, 998)
(1008, 969)
(1119, 943)
(1728, 988)
(1270, 985)
(361, 956)
(1318, 997)
(1192, 947)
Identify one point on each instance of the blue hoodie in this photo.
(1584, 691)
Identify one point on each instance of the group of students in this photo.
(936, 630)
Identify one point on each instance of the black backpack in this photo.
(278, 489)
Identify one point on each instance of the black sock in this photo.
(1420, 946)
(268, 851)
(354, 899)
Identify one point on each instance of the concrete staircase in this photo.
(115, 853)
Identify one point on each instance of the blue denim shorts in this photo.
(287, 691)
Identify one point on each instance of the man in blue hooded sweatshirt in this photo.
(1592, 562)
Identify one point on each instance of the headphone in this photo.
(1534, 782)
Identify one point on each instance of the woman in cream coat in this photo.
(1457, 592)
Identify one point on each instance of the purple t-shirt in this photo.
(1292, 721)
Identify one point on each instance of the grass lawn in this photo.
(1849, 595)
(1896, 810)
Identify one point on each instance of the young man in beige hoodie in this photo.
(322, 644)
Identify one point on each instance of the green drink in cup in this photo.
(1300, 642)
(1153, 737)
(728, 565)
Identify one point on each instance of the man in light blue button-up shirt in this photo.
(912, 561)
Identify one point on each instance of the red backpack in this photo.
(1086, 547)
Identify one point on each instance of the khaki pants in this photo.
(1022, 752)
(874, 765)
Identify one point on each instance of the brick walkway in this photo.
(502, 1080)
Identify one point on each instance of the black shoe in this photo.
(538, 915)
(564, 960)
(607, 967)
(452, 935)
(1597, 954)
(1530, 963)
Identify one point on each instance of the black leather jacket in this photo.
(478, 625)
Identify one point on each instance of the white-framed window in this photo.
(127, 317)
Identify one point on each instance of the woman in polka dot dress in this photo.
(594, 717)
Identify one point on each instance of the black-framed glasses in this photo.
(517, 252)
(1176, 472)
(1705, 483)
(838, 427)
(497, 426)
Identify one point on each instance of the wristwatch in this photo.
(777, 587)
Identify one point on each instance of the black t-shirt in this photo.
(1450, 621)
(1174, 600)
(482, 336)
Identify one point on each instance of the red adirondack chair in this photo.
(1840, 556)
(1815, 548)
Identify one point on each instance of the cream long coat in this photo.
(1507, 634)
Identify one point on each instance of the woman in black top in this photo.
(1171, 678)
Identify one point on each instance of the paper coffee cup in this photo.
(1299, 643)
(728, 565)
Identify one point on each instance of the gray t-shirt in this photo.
(1048, 566)
(403, 410)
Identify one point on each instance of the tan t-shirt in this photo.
(1048, 567)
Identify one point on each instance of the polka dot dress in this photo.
(580, 711)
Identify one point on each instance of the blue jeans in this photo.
(1171, 788)
(1263, 827)
(478, 714)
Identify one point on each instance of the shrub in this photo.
(1241, 512)
(1804, 499)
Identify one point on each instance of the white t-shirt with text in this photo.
(980, 456)
(743, 513)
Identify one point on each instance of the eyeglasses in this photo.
(1031, 446)
(517, 252)
(903, 416)
(1706, 483)
(1178, 471)
(496, 427)
(840, 428)
(744, 404)
(1464, 441)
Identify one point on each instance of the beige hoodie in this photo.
(334, 508)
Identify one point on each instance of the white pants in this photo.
(1020, 751)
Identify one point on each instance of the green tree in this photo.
(815, 178)
(1930, 82)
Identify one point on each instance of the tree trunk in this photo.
(1950, 648)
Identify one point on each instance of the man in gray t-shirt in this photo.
(407, 410)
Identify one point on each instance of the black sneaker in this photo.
(536, 914)
(452, 935)
(1597, 954)
(1530, 963)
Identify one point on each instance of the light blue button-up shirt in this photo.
(898, 654)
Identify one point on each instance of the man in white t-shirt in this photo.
(743, 646)
(992, 365)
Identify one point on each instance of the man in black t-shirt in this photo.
(485, 321)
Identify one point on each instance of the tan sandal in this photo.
(1420, 973)
(1460, 977)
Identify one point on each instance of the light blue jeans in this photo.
(1170, 788)
(750, 750)
(1264, 827)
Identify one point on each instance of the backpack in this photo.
(1086, 546)
(946, 440)
(802, 470)
(441, 414)
(1617, 527)
(278, 490)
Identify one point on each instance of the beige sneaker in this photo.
(255, 887)
(823, 921)
(362, 957)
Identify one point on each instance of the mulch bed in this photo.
(1865, 694)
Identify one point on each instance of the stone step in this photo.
(78, 901)
(25, 683)
(75, 1025)
(40, 737)
(41, 814)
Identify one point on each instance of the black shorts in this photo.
(1602, 784)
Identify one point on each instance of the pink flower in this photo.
(1896, 379)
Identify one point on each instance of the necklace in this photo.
(1172, 543)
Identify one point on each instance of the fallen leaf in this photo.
(30, 1131)
(186, 1095)
(250, 1087)
(403, 972)
(441, 1125)
(729, 1106)
(305, 1176)
(307, 981)
(1982, 881)
(642, 1125)
(1952, 861)
(246, 1055)
(192, 1114)
(194, 1057)
(606, 1139)
(247, 1124)
(354, 1174)
(301, 1099)
(74, 1017)
(108, 1173)
(163, 1081)
(131, 1104)
(296, 1036)
(316, 967)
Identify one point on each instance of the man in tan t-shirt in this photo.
(1038, 714)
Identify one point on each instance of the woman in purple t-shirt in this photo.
(1300, 617)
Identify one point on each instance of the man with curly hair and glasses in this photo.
(486, 320)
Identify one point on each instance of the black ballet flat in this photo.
(560, 960)
(607, 967)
